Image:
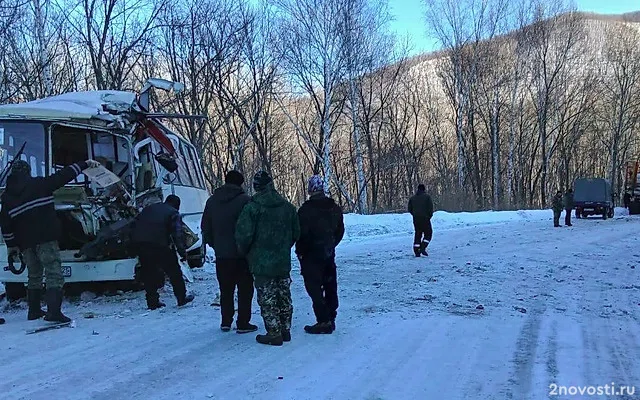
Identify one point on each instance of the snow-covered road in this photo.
(500, 311)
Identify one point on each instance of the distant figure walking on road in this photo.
(421, 208)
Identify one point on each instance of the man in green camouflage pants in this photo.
(44, 259)
(267, 228)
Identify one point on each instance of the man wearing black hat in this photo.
(267, 229)
(29, 225)
(218, 231)
(421, 209)
(156, 229)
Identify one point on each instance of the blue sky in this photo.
(409, 17)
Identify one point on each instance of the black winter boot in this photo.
(273, 340)
(54, 303)
(153, 301)
(34, 297)
(423, 249)
(187, 299)
(246, 328)
(319, 328)
(416, 250)
(1, 321)
(286, 335)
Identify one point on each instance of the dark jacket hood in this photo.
(269, 197)
(227, 192)
(322, 201)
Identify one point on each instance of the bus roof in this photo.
(74, 105)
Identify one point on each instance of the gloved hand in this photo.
(93, 163)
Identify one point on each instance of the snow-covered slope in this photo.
(364, 226)
(504, 307)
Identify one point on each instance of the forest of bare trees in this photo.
(522, 98)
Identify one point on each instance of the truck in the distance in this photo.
(593, 196)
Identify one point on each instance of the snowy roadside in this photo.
(358, 227)
(497, 311)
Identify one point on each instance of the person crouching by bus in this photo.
(29, 225)
(155, 229)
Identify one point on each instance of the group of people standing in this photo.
(562, 202)
(252, 238)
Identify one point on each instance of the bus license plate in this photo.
(66, 271)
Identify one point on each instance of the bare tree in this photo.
(9, 12)
(116, 35)
(313, 56)
(620, 96)
(367, 48)
(554, 37)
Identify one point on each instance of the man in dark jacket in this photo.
(568, 206)
(218, 231)
(556, 205)
(30, 226)
(421, 208)
(267, 229)
(627, 200)
(157, 230)
(321, 230)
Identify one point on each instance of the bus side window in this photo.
(183, 177)
(197, 171)
(191, 165)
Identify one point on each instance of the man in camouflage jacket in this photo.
(556, 205)
(266, 231)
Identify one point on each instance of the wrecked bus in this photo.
(117, 129)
